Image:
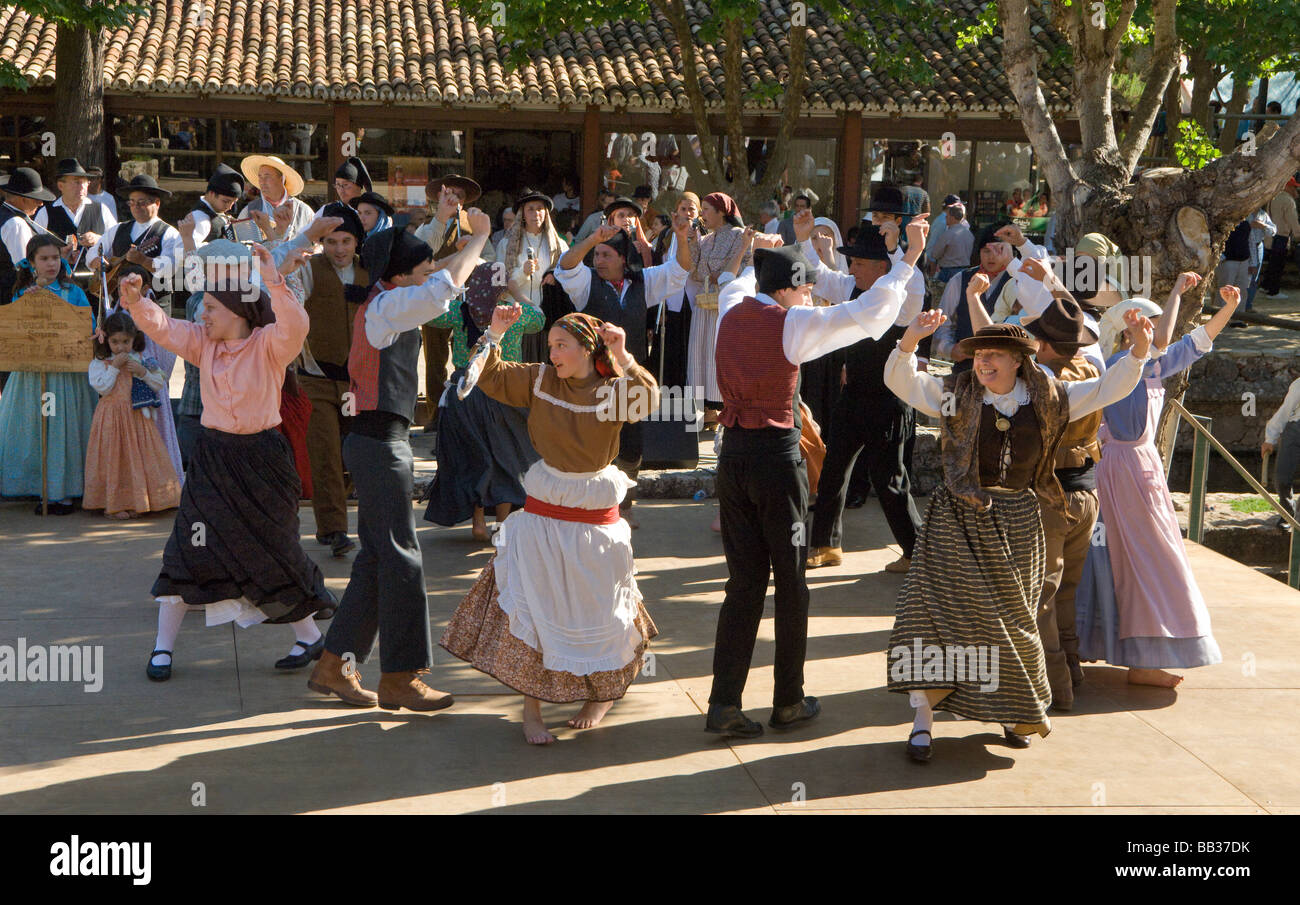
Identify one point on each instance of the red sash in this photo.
(572, 514)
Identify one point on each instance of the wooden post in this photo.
(45, 494)
(218, 160)
(592, 155)
(341, 124)
(849, 190)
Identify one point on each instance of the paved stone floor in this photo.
(260, 742)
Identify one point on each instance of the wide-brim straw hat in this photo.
(293, 183)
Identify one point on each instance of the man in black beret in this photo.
(766, 329)
(617, 288)
(335, 285)
(386, 594)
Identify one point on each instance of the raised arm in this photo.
(1088, 396)
(919, 389)
(283, 338)
(979, 315)
(181, 337)
(509, 382)
(1168, 319)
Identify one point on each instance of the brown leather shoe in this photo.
(900, 565)
(825, 556)
(404, 689)
(328, 678)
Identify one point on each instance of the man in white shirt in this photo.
(279, 185)
(74, 214)
(23, 194)
(605, 198)
(97, 193)
(770, 214)
(567, 199)
(618, 289)
(766, 329)
(211, 212)
(152, 248)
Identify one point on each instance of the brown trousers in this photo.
(1067, 548)
(329, 500)
(437, 355)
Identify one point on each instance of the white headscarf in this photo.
(1112, 324)
(841, 262)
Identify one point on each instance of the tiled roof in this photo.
(425, 51)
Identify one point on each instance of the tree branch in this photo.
(1246, 183)
(1020, 63)
(1116, 34)
(1164, 63)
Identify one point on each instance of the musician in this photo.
(144, 244)
(443, 232)
(74, 213)
(23, 194)
(211, 212)
(279, 185)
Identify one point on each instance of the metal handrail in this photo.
(1200, 467)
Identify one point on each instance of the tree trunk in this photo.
(78, 116)
(1236, 104)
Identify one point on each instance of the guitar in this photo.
(112, 266)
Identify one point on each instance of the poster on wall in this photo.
(407, 177)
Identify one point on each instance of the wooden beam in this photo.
(592, 155)
(340, 127)
(848, 190)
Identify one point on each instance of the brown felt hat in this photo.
(1062, 324)
(471, 188)
(1008, 337)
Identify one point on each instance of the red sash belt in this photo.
(572, 514)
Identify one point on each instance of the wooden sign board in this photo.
(39, 331)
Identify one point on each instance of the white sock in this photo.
(169, 626)
(924, 719)
(306, 632)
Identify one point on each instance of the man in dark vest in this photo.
(618, 289)
(335, 285)
(766, 329)
(868, 418)
(211, 212)
(163, 250)
(74, 214)
(386, 594)
(23, 194)
(996, 260)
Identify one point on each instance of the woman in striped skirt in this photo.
(965, 638)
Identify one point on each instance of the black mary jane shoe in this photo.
(158, 673)
(1013, 740)
(298, 661)
(794, 714)
(920, 754)
(729, 720)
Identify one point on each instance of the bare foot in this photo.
(120, 516)
(1157, 677)
(534, 726)
(591, 714)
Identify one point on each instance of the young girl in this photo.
(128, 470)
(234, 548)
(557, 615)
(68, 422)
(1138, 604)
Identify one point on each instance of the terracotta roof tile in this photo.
(425, 51)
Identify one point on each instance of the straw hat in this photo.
(293, 183)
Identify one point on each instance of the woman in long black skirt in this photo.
(234, 548)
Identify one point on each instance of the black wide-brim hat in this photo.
(1008, 337)
(622, 202)
(375, 199)
(471, 188)
(1062, 323)
(69, 166)
(868, 244)
(887, 199)
(534, 195)
(143, 183)
(26, 183)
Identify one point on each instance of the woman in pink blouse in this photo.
(234, 549)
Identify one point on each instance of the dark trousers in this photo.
(1274, 264)
(885, 444)
(631, 441)
(1288, 461)
(763, 502)
(385, 593)
(325, 429)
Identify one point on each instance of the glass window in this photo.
(947, 175)
(20, 144)
(402, 161)
(1001, 168)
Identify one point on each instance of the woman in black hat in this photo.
(530, 250)
(351, 180)
(376, 213)
(977, 569)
